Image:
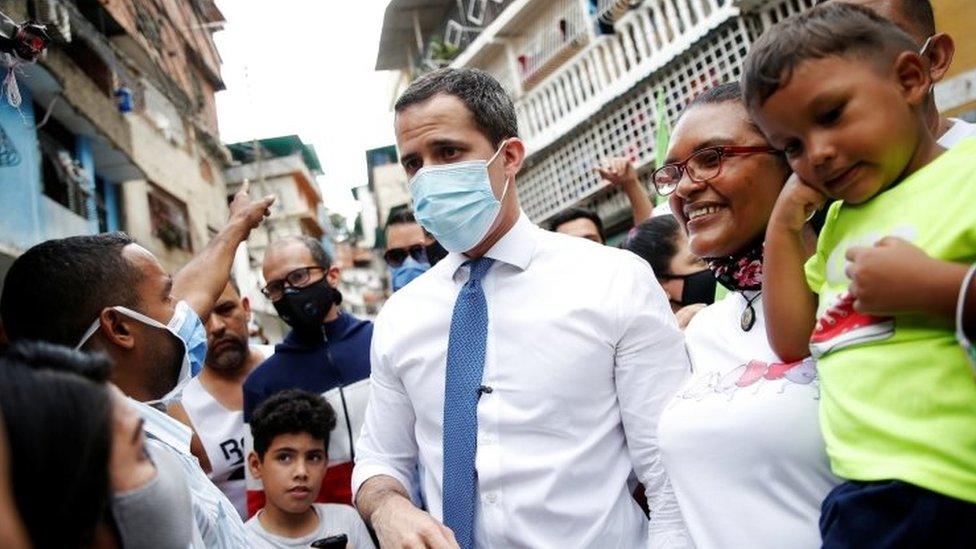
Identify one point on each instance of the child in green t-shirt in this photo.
(841, 91)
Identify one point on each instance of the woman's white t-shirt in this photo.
(741, 439)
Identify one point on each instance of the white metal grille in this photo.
(561, 175)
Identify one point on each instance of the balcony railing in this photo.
(457, 32)
(563, 35)
(644, 40)
(604, 96)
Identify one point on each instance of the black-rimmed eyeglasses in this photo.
(298, 278)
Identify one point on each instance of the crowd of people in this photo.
(782, 358)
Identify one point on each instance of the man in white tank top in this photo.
(213, 402)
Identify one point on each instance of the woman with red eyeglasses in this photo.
(741, 439)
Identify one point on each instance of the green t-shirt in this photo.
(903, 407)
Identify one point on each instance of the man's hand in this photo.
(795, 205)
(619, 172)
(201, 281)
(887, 278)
(400, 525)
(249, 213)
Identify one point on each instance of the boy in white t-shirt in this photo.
(291, 433)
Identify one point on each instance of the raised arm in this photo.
(620, 173)
(789, 304)
(201, 281)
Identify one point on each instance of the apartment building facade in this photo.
(593, 79)
(287, 168)
(116, 129)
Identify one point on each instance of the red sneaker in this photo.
(841, 326)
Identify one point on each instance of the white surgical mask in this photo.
(455, 202)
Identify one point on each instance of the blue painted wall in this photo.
(20, 184)
(27, 216)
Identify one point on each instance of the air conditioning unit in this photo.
(55, 16)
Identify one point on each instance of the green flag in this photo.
(662, 134)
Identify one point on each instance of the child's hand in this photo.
(797, 202)
(886, 278)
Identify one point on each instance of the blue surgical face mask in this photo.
(409, 270)
(455, 202)
(186, 326)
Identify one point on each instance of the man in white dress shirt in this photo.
(525, 372)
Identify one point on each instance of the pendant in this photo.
(748, 318)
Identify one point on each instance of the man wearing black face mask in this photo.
(327, 352)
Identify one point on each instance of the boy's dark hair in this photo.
(835, 29)
(57, 414)
(572, 214)
(400, 217)
(57, 288)
(490, 106)
(655, 241)
(917, 12)
(289, 412)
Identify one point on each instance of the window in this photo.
(169, 219)
(64, 180)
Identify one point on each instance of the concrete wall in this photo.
(390, 182)
(20, 184)
(178, 172)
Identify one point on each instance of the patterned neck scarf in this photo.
(740, 272)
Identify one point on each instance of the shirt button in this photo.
(490, 498)
(487, 439)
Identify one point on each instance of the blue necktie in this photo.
(465, 365)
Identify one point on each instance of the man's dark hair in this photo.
(834, 29)
(291, 411)
(572, 214)
(56, 289)
(57, 414)
(655, 241)
(916, 12)
(314, 247)
(490, 106)
(723, 93)
(400, 217)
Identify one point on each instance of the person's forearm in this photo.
(375, 493)
(201, 281)
(640, 203)
(938, 293)
(789, 304)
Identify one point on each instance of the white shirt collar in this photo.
(515, 247)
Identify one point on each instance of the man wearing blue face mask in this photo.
(525, 372)
(407, 248)
(106, 293)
